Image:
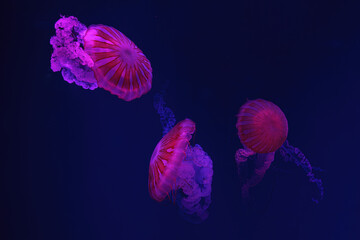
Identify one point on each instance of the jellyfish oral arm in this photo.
(242, 155)
(68, 56)
(262, 164)
(194, 181)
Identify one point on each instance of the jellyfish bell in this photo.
(185, 176)
(262, 129)
(120, 67)
(262, 126)
(166, 159)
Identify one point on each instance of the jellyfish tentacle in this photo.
(167, 116)
(262, 164)
(195, 178)
(242, 155)
(69, 56)
(293, 154)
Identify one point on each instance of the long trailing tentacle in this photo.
(167, 116)
(293, 154)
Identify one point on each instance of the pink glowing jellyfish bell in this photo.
(119, 65)
(100, 56)
(178, 170)
(262, 126)
(167, 158)
(263, 129)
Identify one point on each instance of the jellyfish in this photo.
(120, 67)
(166, 159)
(100, 56)
(263, 129)
(179, 171)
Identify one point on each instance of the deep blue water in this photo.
(74, 162)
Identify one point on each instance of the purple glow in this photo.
(167, 117)
(69, 56)
(293, 154)
(194, 175)
(194, 180)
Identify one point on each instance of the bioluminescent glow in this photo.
(178, 170)
(100, 56)
(262, 129)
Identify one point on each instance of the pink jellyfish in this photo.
(119, 65)
(262, 129)
(167, 158)
(180, 171)
(100, 56)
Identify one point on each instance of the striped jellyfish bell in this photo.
(262, 126)
(166, 159)
(120, 67)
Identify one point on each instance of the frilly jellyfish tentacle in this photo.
(242, 155)
(194, 183)
(193, 177)
(241, 158)
(167, 116)
(262, 164)
(293, 154)
(69, 56)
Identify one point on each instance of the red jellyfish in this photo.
(120, 67)
(167, 158)
(262, 129)
(178, 170)
(99, 56)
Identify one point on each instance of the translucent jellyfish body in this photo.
(180, 171)
(100, 56)
(119, 65)
(167, 158)
(194, 181)
(262, 129)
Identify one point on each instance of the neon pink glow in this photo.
(166, 159)
(69, 57)
(191, 179)
(120, 67)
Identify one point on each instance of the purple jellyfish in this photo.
(100, 56)
(262, 129)
(180, 170)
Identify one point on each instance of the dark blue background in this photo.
(74, 163)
